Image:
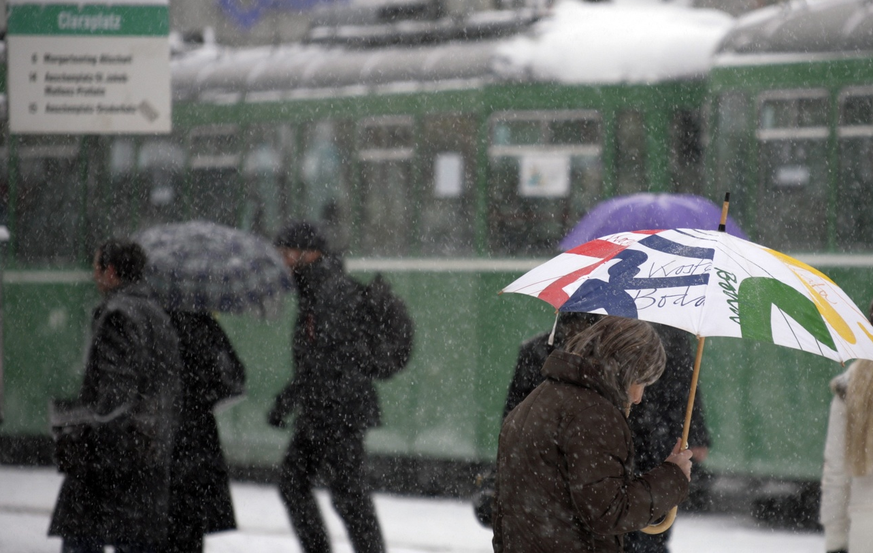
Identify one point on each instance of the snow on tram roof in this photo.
(624, 41)
(619, 42)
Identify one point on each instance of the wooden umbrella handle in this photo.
(667, 522)
(662, 526)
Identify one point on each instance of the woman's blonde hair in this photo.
(859, 416)
(859, 419)
(628, 350)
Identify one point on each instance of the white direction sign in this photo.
(88, 68)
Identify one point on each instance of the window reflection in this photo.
(160, 172)
(324, 172)
(267, 169)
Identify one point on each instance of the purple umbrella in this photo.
(645, 211)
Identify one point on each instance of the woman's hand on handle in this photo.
(681, 458)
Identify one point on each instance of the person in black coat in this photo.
(660, 418)
(115, 442)
(200, 501)
(335, 401)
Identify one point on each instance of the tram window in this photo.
(385, 154)
(160, 174)
(267, 172)
(112, 208)
(630, 152)
(215, 156)
(792, 199)
(518, 132)
(49, 201)
(4, 180)
(574, 131)
(686, 152)
(731, 147)
(799, 112)
(448, 202)
(856, 110)
(855, 218)
(325, 170)
(386, 135)
(545, 172)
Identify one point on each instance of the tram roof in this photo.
(577, 43)
(802, 27)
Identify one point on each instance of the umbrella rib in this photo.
(797, 338)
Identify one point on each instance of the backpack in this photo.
(388, 327)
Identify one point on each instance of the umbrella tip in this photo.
(722, 226)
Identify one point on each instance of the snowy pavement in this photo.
(410, 524)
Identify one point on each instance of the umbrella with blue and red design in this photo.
(709, 283)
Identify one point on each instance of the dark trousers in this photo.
(339, 459)
(638, 542)
(91, 545)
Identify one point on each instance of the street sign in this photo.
(88, 68)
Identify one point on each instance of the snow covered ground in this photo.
(410, 524)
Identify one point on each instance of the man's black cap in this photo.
(301, 235)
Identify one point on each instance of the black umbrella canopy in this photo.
(204, 266)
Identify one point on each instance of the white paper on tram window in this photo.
(448, 175)
(544, 175)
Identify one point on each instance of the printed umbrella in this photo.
(647, 210)
(709, 283)
(203, 266)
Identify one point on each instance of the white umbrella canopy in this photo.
(709, 283)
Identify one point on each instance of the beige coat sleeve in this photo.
(835, 481)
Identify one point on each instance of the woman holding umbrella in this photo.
(195, 269)
(565, 479)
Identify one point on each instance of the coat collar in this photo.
(570, 368)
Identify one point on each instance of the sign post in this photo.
(88, 68)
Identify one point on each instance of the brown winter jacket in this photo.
(565, 479)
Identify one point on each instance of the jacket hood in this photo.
(570, 368)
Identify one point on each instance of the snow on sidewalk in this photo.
(410, 524)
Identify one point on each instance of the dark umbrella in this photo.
(203, 266)
(647, 211)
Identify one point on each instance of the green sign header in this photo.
(88, 20)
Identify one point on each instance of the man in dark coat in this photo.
(212, 372)
(336, 403)
(115, 444)
(659, 419)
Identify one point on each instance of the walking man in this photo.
(335, 400)
(115, 442)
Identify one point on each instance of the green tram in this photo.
(791, 136)
(452, 157)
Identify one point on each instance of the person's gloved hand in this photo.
(276, 417)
